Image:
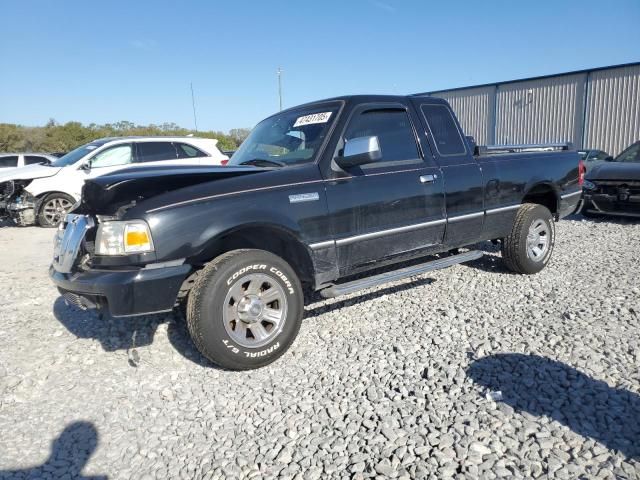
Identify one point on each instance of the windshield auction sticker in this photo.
(322, 117)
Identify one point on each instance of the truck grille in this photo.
(68, 241)
(73, 299)
(610, 187)
(83, 302)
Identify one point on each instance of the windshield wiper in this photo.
(263, 162)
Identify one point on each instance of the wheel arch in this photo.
(543, 193)
(41, 195)
(262, 236)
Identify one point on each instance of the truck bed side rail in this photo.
(522, 148)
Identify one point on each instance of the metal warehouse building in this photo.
(597, 108)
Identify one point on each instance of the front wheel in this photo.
(245, 309)
(53, 209)
(528, 247)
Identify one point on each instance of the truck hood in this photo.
(29, 172)
(615, 171)
(107, 193)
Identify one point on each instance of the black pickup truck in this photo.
(315, 195)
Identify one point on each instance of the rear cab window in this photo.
(444, 131)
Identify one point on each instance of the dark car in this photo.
(316, 194)
(592, 158)
(613, 188)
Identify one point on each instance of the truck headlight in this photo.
(122, 238)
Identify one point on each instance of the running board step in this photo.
(395, 275)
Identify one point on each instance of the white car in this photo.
(43, 194)
(11, 161)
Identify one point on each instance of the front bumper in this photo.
(123, 293)
(612, 204)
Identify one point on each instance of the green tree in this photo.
(54, 137)
(239, 134)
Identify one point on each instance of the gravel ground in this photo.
(469, 372)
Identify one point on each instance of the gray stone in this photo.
(376, 385)
(385, 468)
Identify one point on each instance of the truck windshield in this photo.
(631, 154)
(75, 155)
(288, 138)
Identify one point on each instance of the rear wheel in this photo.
(528, 247)
(53, 209)
(245, 309)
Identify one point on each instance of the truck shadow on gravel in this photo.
(128, 334)
(540, 386)
(491, 261)
(70, 453)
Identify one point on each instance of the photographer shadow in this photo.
(70, 453)
(544, 387)
(129, 334)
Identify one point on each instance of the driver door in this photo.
(391, 207)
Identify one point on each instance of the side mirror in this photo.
(86, 166)
(609, 159)
(360, 151)
(472, 142)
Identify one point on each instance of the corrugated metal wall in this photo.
(476, 107)
(593, 109)
(540, 111)
(613, 109)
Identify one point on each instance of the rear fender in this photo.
(544, 192)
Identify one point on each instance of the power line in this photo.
(280, 86)
(193, 104)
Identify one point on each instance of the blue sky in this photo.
(133, 60)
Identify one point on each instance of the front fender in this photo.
(188, 230)
(257, 219)
(42, 186)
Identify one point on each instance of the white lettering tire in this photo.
(245, 309)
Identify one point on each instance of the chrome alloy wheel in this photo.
(255, 310)
(538, 240)
(55, 210)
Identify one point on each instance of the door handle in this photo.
(428, 178)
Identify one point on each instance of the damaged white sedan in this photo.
(43, 194)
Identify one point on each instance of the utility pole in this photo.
(280, 86)
(193, 104)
